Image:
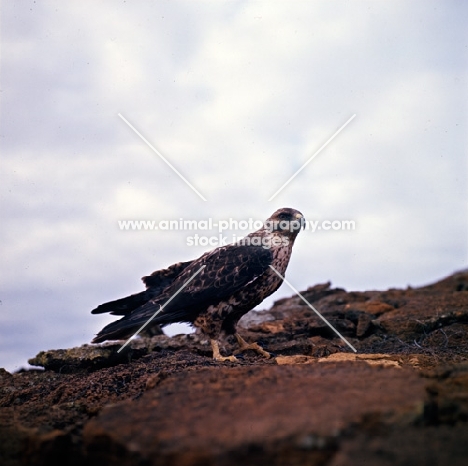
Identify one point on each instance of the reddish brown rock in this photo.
(297, 411)
(402, 399)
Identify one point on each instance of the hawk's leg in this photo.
(252, 346)
(217, 355)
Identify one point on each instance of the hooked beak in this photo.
(301, 218)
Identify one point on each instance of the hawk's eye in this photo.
(283, 216)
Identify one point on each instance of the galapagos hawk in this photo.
(231, 280)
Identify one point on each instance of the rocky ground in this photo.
(401, 399)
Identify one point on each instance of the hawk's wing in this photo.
(163, 278)
(226, 270)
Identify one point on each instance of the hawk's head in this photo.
(286, 221)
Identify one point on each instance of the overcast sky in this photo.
(237, 96)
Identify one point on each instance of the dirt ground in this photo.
(401, 399)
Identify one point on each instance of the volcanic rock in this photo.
(401, 398)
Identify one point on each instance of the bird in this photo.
(214, 291)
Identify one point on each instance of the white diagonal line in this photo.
(161, 308)
(161, 156)
(315, 310)
(310, 160)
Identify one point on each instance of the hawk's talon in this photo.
(217, 355)
(251, 346)
(226, 358)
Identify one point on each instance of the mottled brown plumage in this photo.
(234, 280)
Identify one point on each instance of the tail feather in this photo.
(136, 310)
(122, 330)
(109, 334)
(129, 324)
(124, 306)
